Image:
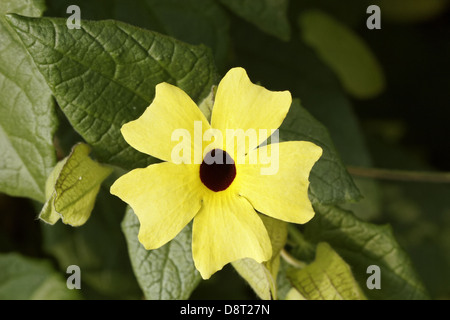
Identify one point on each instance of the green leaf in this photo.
(166, 273)
(262, 276)
(330, 182)
(344, 52)
(195, 22)
(72, 188)
(269, 16)
(192, 21)
(327, 278)
(104, 75)
(98, 248)
(362, 244)
(27, 121)
(25, 278)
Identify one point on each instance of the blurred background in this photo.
(401, 125)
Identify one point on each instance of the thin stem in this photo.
(400, 175)
(291, 260)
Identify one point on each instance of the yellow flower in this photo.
(220, 198)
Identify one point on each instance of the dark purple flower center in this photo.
(217, 170)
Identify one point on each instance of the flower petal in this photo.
(227, 229)
(169, 119)
(164, 196)
(240, 104)
(280, 188)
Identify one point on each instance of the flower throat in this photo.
(217, 170)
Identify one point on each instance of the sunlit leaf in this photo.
(72, 188)
(327, 278)
(362, 244)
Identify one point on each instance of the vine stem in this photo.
(400, 175)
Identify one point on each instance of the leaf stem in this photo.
(400, 175)
(291, 260)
